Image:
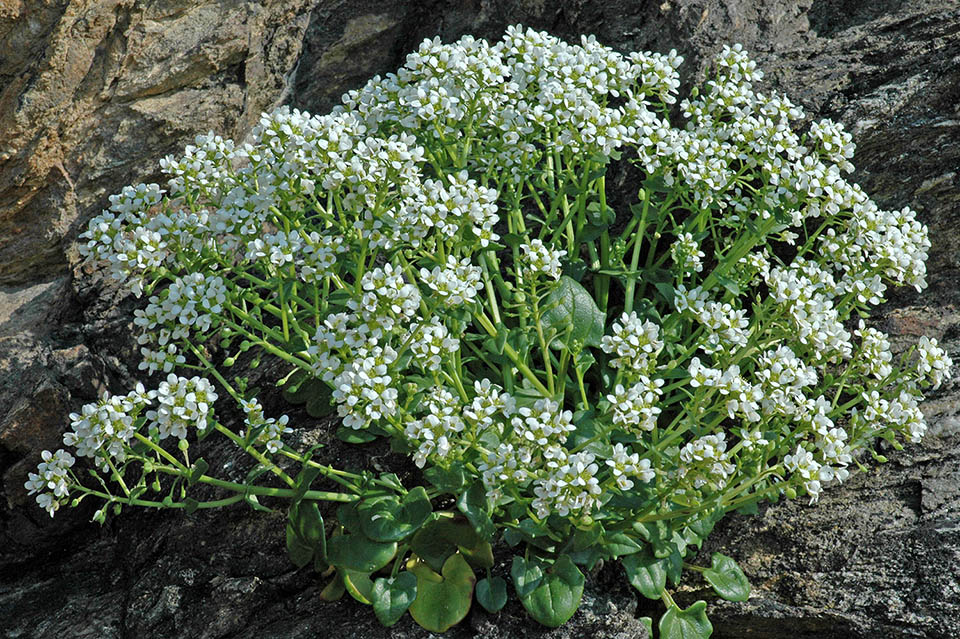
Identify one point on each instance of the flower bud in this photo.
(183, 445)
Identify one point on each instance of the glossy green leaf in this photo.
(197, 471)
(727, 578)
(357, 552)
(646, 573)
(359, 585)
(569, 306)
(557, 595)
(333, 590)
(392, 597)
(391, 519)
(299, 551)
(440, 538)
(354, 436)
(442, 600)
(526, 575)
(620, 544)
(473, 504)
(308, 523)
(492, 593)
(449, 480)
(691, 623)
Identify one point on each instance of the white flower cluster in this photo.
(364, 391)
(537, 259)
(102, 430)
(627, 466)
(53, 476)
(456, 284)
(437, 428)
(706, 462)
(433, 341)
(269, 429)
(934, 364)
(183, 403)
(686, 254)
(637, 406)
(636, 344)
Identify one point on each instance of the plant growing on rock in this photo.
(437, 260)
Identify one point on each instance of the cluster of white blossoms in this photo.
(538, 258)
(636, 344)
(104, 431)
(269, 430)
(686, 254)
(52, 480)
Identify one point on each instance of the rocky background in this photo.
(93, 94)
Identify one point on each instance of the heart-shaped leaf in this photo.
(691, 623)
(620, 544)
(492, 593)
(440, 538)
(391, 597)
(299, 551)
(727, 578)
(357, 552)
(473, 504)
(646, 573)
(392, 520)
(557, 594)
(442, 600)
(359, 585)
(570, 307)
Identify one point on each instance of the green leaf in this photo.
(197, 471)
(333, 590)
(526, 575)
(492, 593)
(691, 623)
(570, 307)
(354, 436)
(391, 597)
(357, 552)
(557, 594)
(308, 524)
(449, 480)
(359, 585)
(299, 551)
(442, 600)
(440, 538)
(473, 504)
(646, 573)
(727, 578)
(190, 505)
(620, 544)
(392, 520)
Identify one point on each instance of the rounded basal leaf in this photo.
(359, 585)
(492, 593)
(556, 595)
(727, 578)
(570, 307)
(691, 623)
(473, 504)
(647, 574)
(357, 552)
(391, 597)
(442, 600)
(393, 520)
(299, 551)
(440, 538)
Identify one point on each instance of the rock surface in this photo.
(93, 94)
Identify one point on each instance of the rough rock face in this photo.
(93, 94)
